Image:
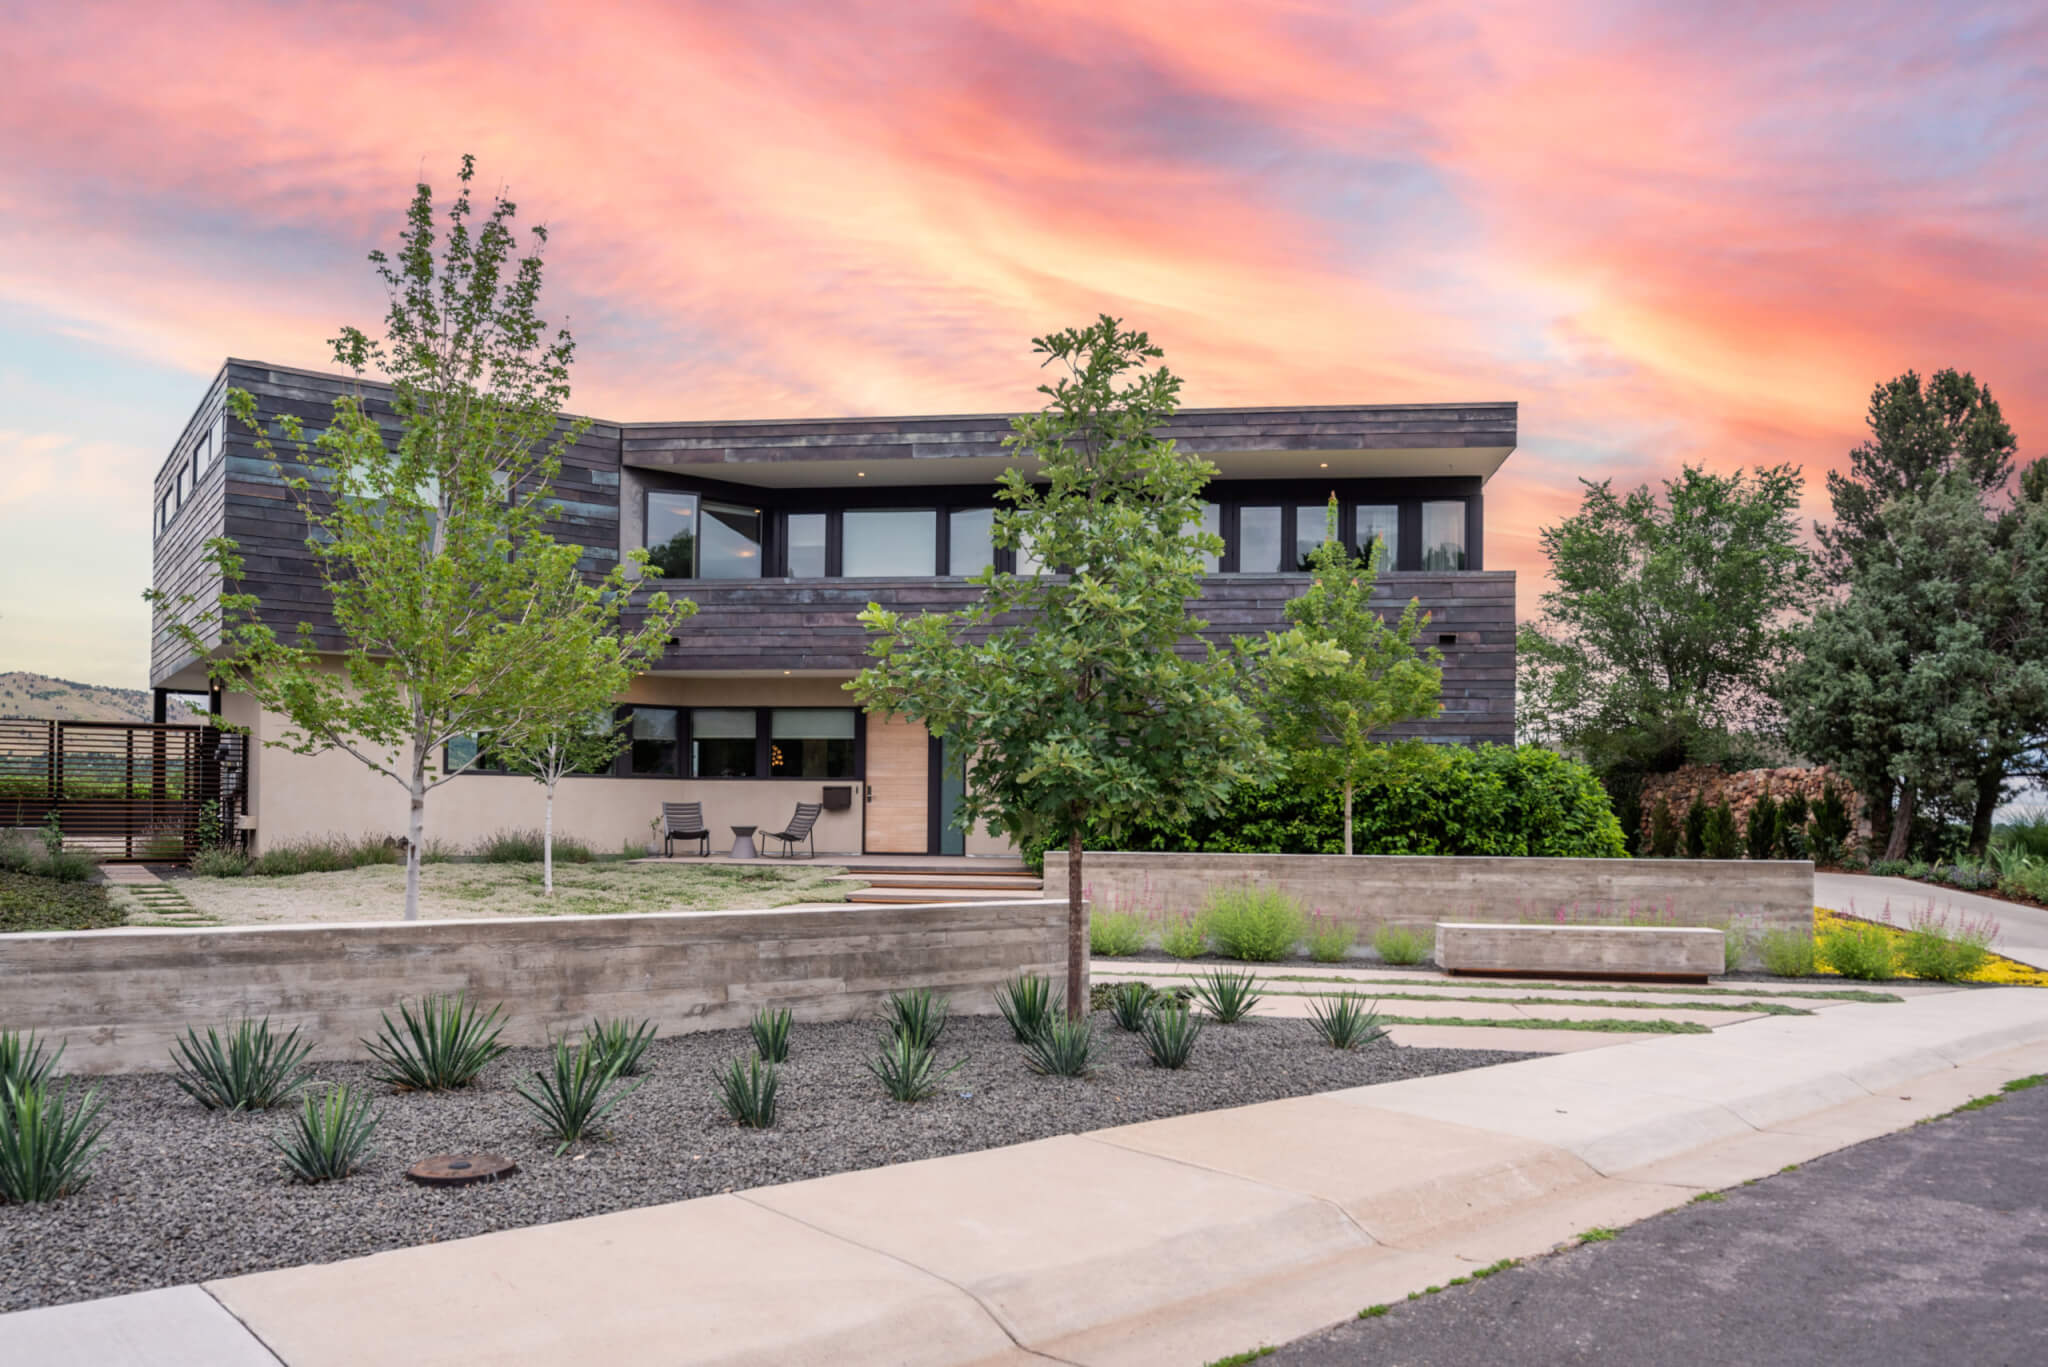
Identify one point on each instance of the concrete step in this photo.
(893, 896)
(1026, 882)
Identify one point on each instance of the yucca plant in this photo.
(620, 1043)
(240, 1067)
(574, 1092)
(1229, 994)
(771, 1034)
(22, 1061)
(907, 1069)
(1130, 1003)
(918, 1016)
(442, 1046)
(1027, 1002)
(1345, 1021)
(1170, 1033)
(46, 1144)
(748, 1090)
(329, 1135)
(1062, 1048)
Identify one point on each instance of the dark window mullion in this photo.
(762, 744)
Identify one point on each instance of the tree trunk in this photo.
(1902, 823)
(1077, 932)
(415, 832)
(1990, 786)
(547, 846)
(1347, 816)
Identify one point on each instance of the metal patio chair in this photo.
(684, 821)
(799, 829)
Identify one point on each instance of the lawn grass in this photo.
(463, 889)
(29, 903)
(1843, 994)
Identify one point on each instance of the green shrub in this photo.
(1720, 834)
(328, 1135)
(1856, 950)
(526, 847)
(46, 1144)
(1792, 827)
(770, 1030)
(1129, 1004)
(220, 861)
(69, 866)
(574, 1092)
(1229, 996)
(1170, 1034)
(28, 902)
(619, 1044)
(1027, 1002)
(41, 859)
(1968, 877)
(1401, 944)
(23, 1062)
(1329, 940)
(249, 1070)
(1760, 835)
(2028, 880)
(1828, 834)
(1663, 831)
(1115, 934)
(1786, 953)
(918, 1016)
(332, 854)
(442, 1047)
(1255, 924)
(1345, 1021)
(1696, 828)
(748, 1092)
(1063, 1048)
(2025, 834)
(1934, 950)
(906, 1069)
(1737, 936)
(1181, 936)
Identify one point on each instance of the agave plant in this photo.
(1170, 1033)
(1063, 1048)
(1027, 1002)
(748, 1091)
(1229, 995)
(328, 1135)
(442, 1046)
(906, 1069)
(246, 1069)
(771, 1034)
(46, 1144)
(23, 1062)
(918, 1016)
(574, 1092)
(1345, 1021)
(619, 1043)
(1130, 1003)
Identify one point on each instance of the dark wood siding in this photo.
(178, 564)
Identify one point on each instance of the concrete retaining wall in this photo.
(118, 998)
(1371, 890)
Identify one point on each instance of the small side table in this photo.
(743, 842)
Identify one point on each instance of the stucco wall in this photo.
(1371, 890)
(118, 998)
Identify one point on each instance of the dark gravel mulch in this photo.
(179, 1194)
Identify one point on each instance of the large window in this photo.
(970, 547)
(894, 542)
(1443, 535)
(1311, 528)
(1379, 522)
(722, 742)
(731, 544)
(671, 535)
(1211, 521)
(805, 553)
(656, 741)
(810, 742)
(1258, 540)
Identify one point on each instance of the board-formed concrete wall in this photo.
(1368, 891)
(118, 998)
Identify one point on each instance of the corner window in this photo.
(730, 547)
(805, 549)
(1379, 522)
(654, 744)
(722, 742)
(970, 544)
(184, 488)
(1443, 535)
(810, 742)
(1258, 540)
(671, 538)
(893, 543)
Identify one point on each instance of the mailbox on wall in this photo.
(838, 797)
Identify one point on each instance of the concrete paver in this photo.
(179, 1326)
(1511, 1040)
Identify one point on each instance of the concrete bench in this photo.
(1688, 952)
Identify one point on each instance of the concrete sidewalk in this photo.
(2022, 930)
(1174, 1241)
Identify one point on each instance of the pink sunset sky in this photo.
(1672, 232)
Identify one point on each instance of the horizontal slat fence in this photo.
(123, 791)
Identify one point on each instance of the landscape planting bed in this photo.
(179, 1194)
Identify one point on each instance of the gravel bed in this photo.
(179, 1194)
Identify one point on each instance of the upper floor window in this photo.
(1379, 522)
(970, 540)
(804, 551)
(1258, 540)
(1312, 527)
(1443, 535)
(730, 546)
(892, 542)
(671, 535)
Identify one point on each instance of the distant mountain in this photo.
(23, 694)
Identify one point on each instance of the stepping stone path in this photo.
(152, 901)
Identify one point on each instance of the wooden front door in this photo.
(899, 778)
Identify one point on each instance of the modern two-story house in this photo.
(781, 532)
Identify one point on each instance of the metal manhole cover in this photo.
(460, 1169)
